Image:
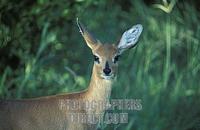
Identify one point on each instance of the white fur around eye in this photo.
(130, 37)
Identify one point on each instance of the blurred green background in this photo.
(43, 53)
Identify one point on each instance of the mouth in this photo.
(108, 77)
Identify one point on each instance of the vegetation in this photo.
(43, 53)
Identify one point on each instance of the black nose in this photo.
(107, 71)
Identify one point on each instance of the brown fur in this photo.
(49, 113)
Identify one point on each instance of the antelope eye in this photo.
(116, 58)
(96, 59)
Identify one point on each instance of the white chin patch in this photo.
(107, 77)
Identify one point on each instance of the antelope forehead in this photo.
(106, 50)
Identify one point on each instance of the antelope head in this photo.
(106, 56)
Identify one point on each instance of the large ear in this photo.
(130, 38)
(90, 40)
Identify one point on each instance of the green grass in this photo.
(163, 70)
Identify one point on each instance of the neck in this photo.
(99, 88)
